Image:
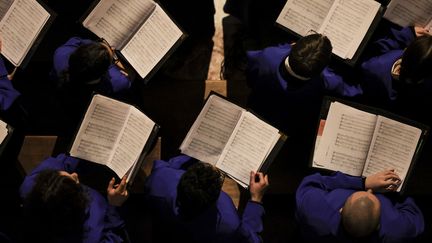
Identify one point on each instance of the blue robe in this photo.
(102, 220)
(319, 199)
(378, 83)
(8, 94)
(286, 102)
(218, 224)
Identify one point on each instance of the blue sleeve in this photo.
(338, 180)
(119, 82)
(8, 94)
(334, 83)
(61, 163)
(174, 163)
(404, 221)
(114, 224)
(399, 39)
(252, 223)
(262, 63)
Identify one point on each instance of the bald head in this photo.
(361, 214)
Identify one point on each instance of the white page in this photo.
(4, 6)
(346, 139)
(393, 147)
(301, 16)
(3, 131)
(100, 130)
(151, 42)
(115, 20)
(20, 27)
(211, 130)
(412, 12)
(347, 24)
(132, 141)
(247, 148)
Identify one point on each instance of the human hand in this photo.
(385, 181)
(12, 74)
(420, 31)
(258, 184)
(117, 194)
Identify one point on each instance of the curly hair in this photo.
(55, 209)
(198, 189)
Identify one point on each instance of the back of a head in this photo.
(198, 189)
(88, 63)
(360, 216)
(417, 61)
(55, 209)
(310, 55)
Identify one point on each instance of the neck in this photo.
(292, 73)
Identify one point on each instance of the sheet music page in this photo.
(347, 23)
(301, 16)
(4, 6)
(405, 13)
(211, 130)
(393, 147)
(116, 20)
(250, 144)
(3, 131)
(132, 141)
(346, 139)
(151, 42)
(20, 27)
(100, 130)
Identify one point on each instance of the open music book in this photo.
(114, 134)
(232, 139)
(364, 141)
(344, 22)
(5, 134)
(140, 30)
(410, 13)
(22, 23)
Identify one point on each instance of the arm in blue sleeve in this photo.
(114, 226)
(407, 221)
(334, 82)
(119, 82)
(8, 94)
(399, 39)
(252, 222)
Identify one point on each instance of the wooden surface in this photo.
(34, 150)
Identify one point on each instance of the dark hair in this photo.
(360, 218)
(89, 62)
(198, 189)
(416, 62)
(310, 55)
(55, 209)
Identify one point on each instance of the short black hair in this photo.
(310, 55)
(55, 209)
(416, 62)
(89, 62)
(198, 189)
